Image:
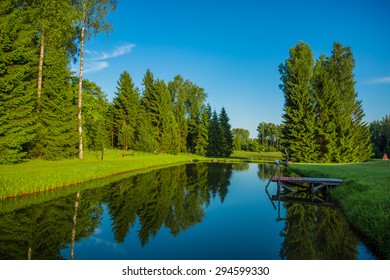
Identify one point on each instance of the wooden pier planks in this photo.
(327, 181)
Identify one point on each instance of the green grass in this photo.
(364, 196)
(256, 156)
(41, 175)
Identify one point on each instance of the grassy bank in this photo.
(256, 156)
(364, 196)
(41, 175)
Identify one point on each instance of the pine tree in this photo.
(126, 104)
(57, 116)
(146, 134)
(96, 120)
(195, 106)
(325, 93)
(214, 145)
(178, 89)
(299, 117)
(167, 130)
(203, 137)
(352, 133)
(226, 135)
(18, 62)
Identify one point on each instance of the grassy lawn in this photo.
(266, 156)
(41, 175)
(364, 196)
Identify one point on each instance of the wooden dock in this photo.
(309, 183)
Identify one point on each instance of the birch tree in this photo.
(92, 21)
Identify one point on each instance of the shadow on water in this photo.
(194, 211)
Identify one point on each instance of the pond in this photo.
(200, 211)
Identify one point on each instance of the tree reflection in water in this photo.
(174, 198)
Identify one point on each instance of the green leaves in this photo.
(323, 118)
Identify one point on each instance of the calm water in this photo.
(194, 211)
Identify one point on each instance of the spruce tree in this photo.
(126, 104)
(195, 106)
(299, 131)
(18, 60)
(202, 136)
(352, 133)
(214, 139)
(96, 120)
(178, 89)
(146, 134)
(325, 94)
(226, 136)
(57, 110)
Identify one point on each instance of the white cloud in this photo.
(97, 61)
(118, 51)
(383, 80)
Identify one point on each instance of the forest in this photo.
(47, 112)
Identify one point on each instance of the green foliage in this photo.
(126, 106)
(95, 117)
(226, 137)
(363, 196)
(323, 118)
(299, 118)
(57, 111)
(240, 139)
(269, 136)
(17, 82)
(380, 136)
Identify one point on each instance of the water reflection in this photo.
(178, 199)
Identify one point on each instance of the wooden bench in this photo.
(127, 155)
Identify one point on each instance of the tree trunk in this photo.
(40, 66)
(76, 207)
(80, 96)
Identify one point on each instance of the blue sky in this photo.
(233, 49)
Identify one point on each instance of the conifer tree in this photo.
(299, 117)
(195, 107)
(126, 104)
(18, 55)
(352, 133)
(57, 112)
(146, 134)
(325, 94)
(214, 145)
(178, 89)
(202, 137)
(96, 120)
(226, 136)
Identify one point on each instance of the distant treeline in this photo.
(380, 136)
(46, 112)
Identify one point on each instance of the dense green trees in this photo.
(380, 136)
(323, 120)
(41, 103)
(269, 136)
(18, 60)
(168, 118)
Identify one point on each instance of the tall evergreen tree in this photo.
(226, 135)
(57, 112)
(299, 117)
(352, 133)
(178, 89)
(96, 121)
(195, 106)
(126, 104)
(325, 94)
(18, 62)
(214, 145)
